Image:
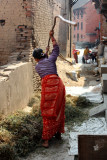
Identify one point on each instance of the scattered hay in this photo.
(74, 109)
(81, 102)
(31, 102)
(72, 113)
(5, 136)
(22, 132)
(35, 100)
(35, 103)
(7, 152)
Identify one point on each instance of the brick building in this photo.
(88, 21)
(24, 25)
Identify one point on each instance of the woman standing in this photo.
(74, 52)
(86, 54)
(52, 93)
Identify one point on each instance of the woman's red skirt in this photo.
(52, 106)
(76, 57)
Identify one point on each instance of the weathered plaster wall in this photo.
(16, 87)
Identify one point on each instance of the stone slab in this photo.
(103, 69)
(104, 81)
(96, 110)
(105, 102)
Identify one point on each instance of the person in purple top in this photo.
(52, 93)
(46, 65)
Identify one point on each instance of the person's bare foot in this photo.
(45, 144)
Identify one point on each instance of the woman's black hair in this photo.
(38, 53)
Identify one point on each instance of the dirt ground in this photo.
(58, 150)
(86, 72)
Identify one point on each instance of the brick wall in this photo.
(42, 22)
(26, 14)
(14, 14)
(43, 19)
(26, 25)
